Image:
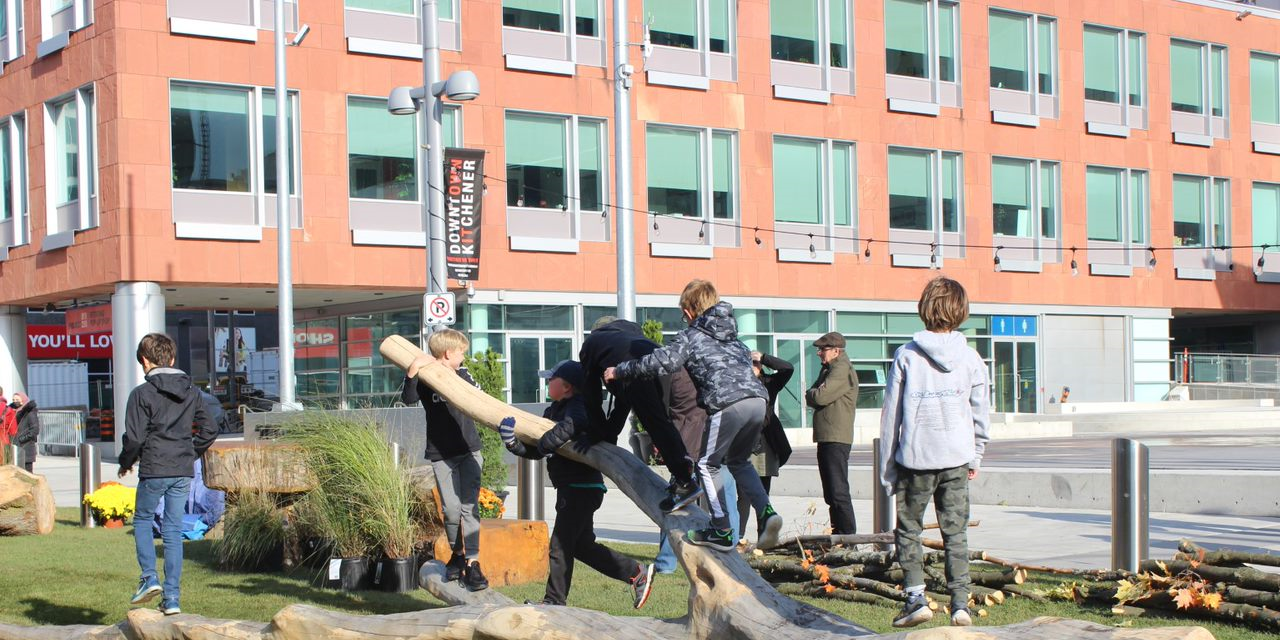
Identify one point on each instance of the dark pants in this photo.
(574, 538)
(833, 470)
(948, 489)
(649, 405)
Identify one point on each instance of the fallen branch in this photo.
(814, 590)
(833, 540)
(1247, 577)
(997, 579)
(1232, 593)
(1023, 591)
(1223, 557)
(972, 523)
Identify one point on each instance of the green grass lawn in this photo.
(86, 576)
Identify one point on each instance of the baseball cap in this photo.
(568, 370)
(832, 339)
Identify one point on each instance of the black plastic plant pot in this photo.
(397, 575)
(349, 574)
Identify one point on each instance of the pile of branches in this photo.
(1206, 584)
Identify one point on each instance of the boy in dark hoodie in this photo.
(160, 418)
(720, 366)
(579, 493)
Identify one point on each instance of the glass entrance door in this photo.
(791, 408)
(526, 355)
(1014, 380)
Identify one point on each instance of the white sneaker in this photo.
(960, 618)
(915, 611)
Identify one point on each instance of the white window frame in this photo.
(1137, 252)
(930, 108)
(20, 231)
(1200, 263)
(527, 61)
(572, 187)
(14, 33)
(86, 200)
(1031, 118)
(947, 242)
(825, 247)
(1268, 270)
(52, 40)
(1040, 247)
(673, 76)
(227, 30)
(1266, 135)
(1205, 137)
(1121, 129)
(711, 233)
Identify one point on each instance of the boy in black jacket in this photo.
(453, 447)
(160, 418)
(579, 493)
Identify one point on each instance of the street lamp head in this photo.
(462, 86)
(401, 101)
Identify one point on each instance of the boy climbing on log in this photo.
(579, 492)
(933, 431)
(453, 447)
(734, 398)
(161, 416)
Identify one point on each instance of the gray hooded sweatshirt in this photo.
(936, 406)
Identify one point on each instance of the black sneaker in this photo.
(718, 539)
(473, 578)
(915, 611)
(453, 570)
(768, 529)
(680, 494)
(641, 585)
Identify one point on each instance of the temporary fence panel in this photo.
(58, 384)
(61, 432)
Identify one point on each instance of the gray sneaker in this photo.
(960, 618)
(915, 611)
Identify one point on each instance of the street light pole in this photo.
(433, 171)
(284, 223)
(622, 162)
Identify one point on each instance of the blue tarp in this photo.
(204, 508)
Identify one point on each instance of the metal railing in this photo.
(61, 432)
(1227, 368)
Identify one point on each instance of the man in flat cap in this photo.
(833, 397)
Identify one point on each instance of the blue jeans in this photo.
(666, 560)
(174, 491)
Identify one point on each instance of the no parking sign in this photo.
(438, 309)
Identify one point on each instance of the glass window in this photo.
(67, 154)
(951, 185)
(1101, 64)
(795, 321)
(1048, 199)
(1103, 187)
(6, 174)
(210, 138)
(1187, 66)
(673, 169)
(1137, 69)
(1217, 82)
(858, 323)
(590, 165)
(536, 161)
(910, 188)
(1266, 215)
(1046, 48)
(1221, 214)
(449, 133)
(445, 10)
(1264, 88)
(540, 15)
(675, 23)
(797, 180)
(1137, 207)
(405, 7)
(842, 182)
(722, 189)
(539, 317)
(586, 15)
(794, 35)
(720, 23)
(906, 24)
(946, 42)
(1011, 197)
(1008, 47)
(269, 140)
(1188, 211)
(380, 149)
(838, 27)
(4, 23)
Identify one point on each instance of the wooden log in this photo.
(1246, 577)
(986, 596)
(305, 622)
(26, 503)
(997, 579)
(1232, 593)
(431, 578)
(844, 580)
(1025, 592)
(833, 540)
(151, 624)
(820, 591)
(932, 526)
(263, 465)
(1223, 557)
(64, 632)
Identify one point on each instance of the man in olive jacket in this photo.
(833, 397)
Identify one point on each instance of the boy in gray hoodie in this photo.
(933, 430)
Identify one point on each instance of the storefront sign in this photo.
(86, 320)
(51, 342)
(463, 175)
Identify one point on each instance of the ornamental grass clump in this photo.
(253, 532)
(112, 500)
(361, 501)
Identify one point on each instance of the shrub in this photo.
(112, 500)
(486, 369)
(253, 532)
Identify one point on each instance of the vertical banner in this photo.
(463, 175)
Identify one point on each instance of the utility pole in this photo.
(433, 171)
(284, 223)
(622, 162)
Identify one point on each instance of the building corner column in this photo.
(13, 350)
(137, 308)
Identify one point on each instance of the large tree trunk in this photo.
(26, 503)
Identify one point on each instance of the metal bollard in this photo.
(1130, 504)
(13, 455)
(395, 454)
(529, 492)
(90, 478)
(883, 511)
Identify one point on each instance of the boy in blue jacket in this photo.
(933, 431)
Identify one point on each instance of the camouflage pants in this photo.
(949, 490)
